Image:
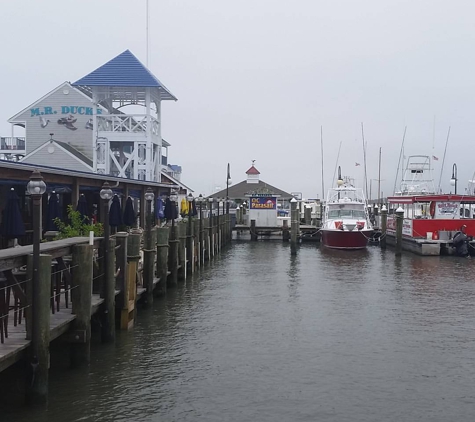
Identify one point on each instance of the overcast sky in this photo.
(256, 79)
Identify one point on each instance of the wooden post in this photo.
(189, 244)
(123, 279)
(162, 259)
(182, 250)
(37, 387)
(198, 242)
(133, 257)
(285, 231)
(294, 213)
(81, 294)
(308, 215)
(172, 281)
(384, 224)
(253, 230)
(210, 240)
(149, 262)
(399, 221)
(108, 315)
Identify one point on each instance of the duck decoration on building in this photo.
(68, 122)
(89, 124)
(43, 122)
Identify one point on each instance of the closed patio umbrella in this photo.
(12, 223)
(115, 213)
(194, 212)
(53, 212)
(170, 212)
(184, 207)
(129, 214)
(159, 211)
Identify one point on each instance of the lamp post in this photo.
(36, 188)
(149, 249)
(106, 196)
(453, 180)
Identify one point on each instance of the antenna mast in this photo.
(400, 156)
(443, 160)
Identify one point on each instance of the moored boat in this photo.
(431, 220)
(346, 223)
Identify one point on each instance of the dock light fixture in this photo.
(453, 180)
(36, 187)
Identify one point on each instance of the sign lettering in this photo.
(263, 203)
(47, 111)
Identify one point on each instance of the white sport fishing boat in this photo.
(346, 223)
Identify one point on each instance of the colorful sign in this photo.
(263, 203)
(447, 209)
(46, 111)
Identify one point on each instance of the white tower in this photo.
(126, 140)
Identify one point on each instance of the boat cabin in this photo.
(433, 216)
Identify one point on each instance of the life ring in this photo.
(432, 209)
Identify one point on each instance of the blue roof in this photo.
(125, 70)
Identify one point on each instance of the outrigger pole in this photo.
(399, 162)
(336, 164)
(443, 160)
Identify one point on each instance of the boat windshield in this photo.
(346, 213)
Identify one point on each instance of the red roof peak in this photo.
(253, 170)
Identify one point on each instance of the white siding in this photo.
(55, 106)
(58, 158)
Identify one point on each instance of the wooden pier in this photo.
(74, 288)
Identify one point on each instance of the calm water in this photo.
(263, 336)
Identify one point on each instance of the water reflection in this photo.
(262, 335)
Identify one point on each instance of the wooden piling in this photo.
(253, 230)
(294, 223)
(190, 245)
(198, 242)
(37, 384)
(125, 282)
(211, 238)
(173, 241)
(308, 215)
(162, 259)
(149, 264)
(108, 314)
(399, 221)
(133, 258)
(182, 250)
(80, 336)
(285, 231)
(384, 224)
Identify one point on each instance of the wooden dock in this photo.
(76, 287)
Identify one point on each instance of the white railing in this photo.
(129, 123)
(12, 144)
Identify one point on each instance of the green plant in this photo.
(76, 226)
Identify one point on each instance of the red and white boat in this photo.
(346, 223)
(430, 219)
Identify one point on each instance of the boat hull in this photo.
(345, 239)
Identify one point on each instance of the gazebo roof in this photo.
(243, 189)
(125, 70)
